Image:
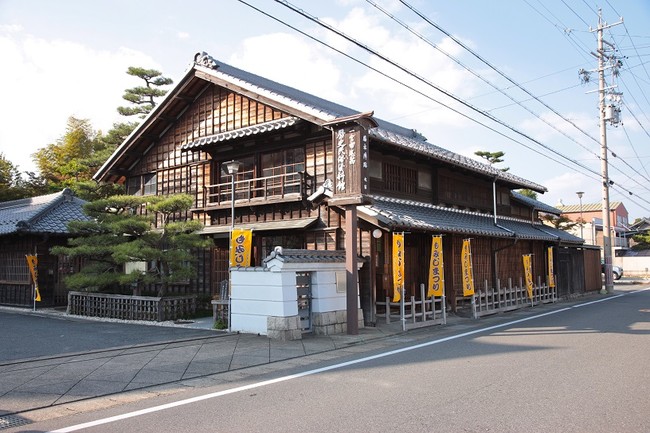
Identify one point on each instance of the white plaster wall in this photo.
(325, 296)
(257, 294)
(249, 324)
(633, 266)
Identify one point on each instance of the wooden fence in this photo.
(131, 307)
(501, 299)
(415, 313)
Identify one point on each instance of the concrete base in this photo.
(332, 322)
(283, 328)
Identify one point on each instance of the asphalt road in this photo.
(581, 368)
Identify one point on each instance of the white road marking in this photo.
(323, 369)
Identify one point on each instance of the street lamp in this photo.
(231, 168)
(581, 221)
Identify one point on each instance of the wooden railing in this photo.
(131, 307)
(415, 313)
(492, 300)
(281, 186)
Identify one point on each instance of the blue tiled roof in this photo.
(43, 214)
(399, 214)
(535, 204)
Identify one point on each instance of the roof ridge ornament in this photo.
(205, 59)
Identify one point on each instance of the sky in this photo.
(511, 85)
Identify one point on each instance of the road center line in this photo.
(324, 369)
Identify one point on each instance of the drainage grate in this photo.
(9, 421)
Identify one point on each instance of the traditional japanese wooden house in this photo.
(31, 226)
(304, 161)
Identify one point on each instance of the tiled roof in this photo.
(288, 255)
(43, 214)
(399, 214)
(385, 131)
(587, 207)
(241, 132)
(535, 204)
(298, 103)
(426, 148)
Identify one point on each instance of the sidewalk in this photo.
(48, 381)
(174, 361)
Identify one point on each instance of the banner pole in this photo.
(444, 309)
(401, 308)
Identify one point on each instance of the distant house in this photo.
(642, 226)
(305, 162)
(591, 229)
(31, 226)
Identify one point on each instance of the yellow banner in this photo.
(466, 268)
(32, 262)
(436, 268)
(398, 266)
(528, 274)
(551, 272)
(240, 247)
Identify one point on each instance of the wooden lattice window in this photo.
(14, 268)
(142, 185)
(400, 179)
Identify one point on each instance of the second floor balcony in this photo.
(284, 187)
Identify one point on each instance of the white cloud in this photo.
(51, 80)
(183, 35)
(564, 187)
(290, 60)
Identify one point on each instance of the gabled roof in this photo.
(535, 204)
(641, 224)
(588, 207)
(399, 214)
(207, 71)
(43, 214)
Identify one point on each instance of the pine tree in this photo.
(144, 97)
(117, 234)
(492, 157)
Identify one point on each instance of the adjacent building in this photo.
(30, 227)
(590, 219)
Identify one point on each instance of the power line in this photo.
(588, 172)
(429, 83)
(479, 76)
(497, 70)
(448, 34)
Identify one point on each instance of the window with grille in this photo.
(142, 185)
(14, 269)
(400, 179)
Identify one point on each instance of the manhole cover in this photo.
(9, 421)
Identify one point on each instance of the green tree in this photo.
(144, 97)
(117, 234)
(641, 241)
(492, 157)
(528, 193)
(63, 161)
(117, 134)
(561, 222)
(73, 160)
(10, 181)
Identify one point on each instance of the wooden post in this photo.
(351, 272)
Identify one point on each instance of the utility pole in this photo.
(608, 113)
